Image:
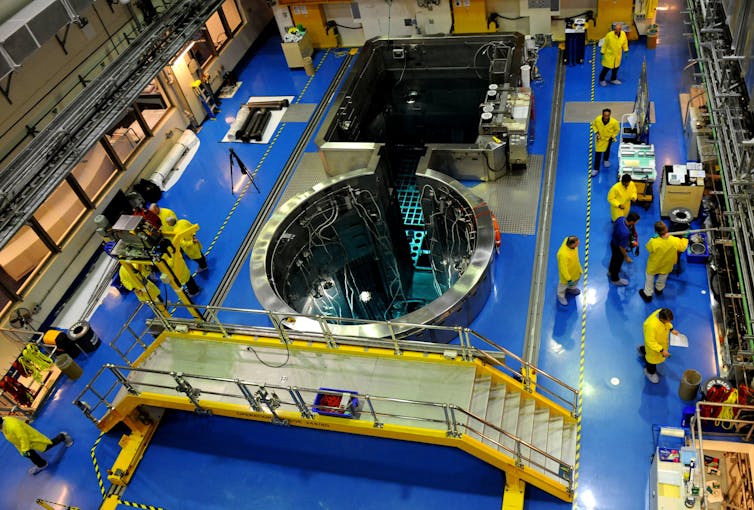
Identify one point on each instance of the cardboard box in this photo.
(296, 52)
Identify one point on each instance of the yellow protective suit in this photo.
(145, 290)
(663, 253)
(621, 195)
(175, 260)
(656, 338)
(191, 247)
(23, 436)
(569, 267)
(606, 132)
(613, 48)
(166, 213)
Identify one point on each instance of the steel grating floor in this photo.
(514, 198)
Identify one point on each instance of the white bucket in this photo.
(525, 75)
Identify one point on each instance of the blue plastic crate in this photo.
(348, 409)
(697, 252)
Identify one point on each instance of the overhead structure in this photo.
(46, 161)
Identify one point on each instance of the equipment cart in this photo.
(637, 160)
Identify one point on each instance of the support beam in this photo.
(143, 425)
(513, 496)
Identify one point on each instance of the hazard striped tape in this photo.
(579, 406)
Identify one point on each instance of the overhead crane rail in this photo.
(46, 161)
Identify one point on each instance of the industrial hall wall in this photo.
(360, 21)
(129, 150)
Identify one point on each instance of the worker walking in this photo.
(606, 130)
(29, 441)
(656, 341)
(569, 268)
(190, 246)
(613, 46)
(620, 244)
(620, 197)
(663, 252)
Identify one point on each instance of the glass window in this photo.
(216, 30)
(94, 172)
(22, 257)
(152, 103)
(125, 136)
(232, 16)
(202, 49)
(60, 212)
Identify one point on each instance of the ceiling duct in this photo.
(32, 26)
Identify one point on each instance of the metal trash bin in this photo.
(84, 337)
(69, 367)
(309, 66)
(652, 34)
(689, 387)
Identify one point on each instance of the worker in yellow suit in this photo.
(178, 268)
(606, 131)
(569, 268)
(620, 196)
(613, 46)
(663, 252)
(162, 212)
(656, 341)
(191, 247)
(139, 283)
(28, 441)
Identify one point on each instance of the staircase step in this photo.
(554, 442)
(480, 396)
(525, 424)
(494, 414)
(509, 422)
(539, 438)
(568, 452)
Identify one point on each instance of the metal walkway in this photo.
(489, 403)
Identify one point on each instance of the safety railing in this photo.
(280, 401)
(740, 428)
(470, 344)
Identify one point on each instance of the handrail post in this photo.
(453, 421)
(159, 316)
(462, 343)
(519, 455)
(527, 377)
(212, 314)
(326, 332)
(377, 423)
(250, 398)
(191, 392)
(300, 403)
(279, 327)
(396, 346)
(124, 381)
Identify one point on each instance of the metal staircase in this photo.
(489, 403)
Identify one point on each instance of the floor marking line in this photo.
(259, 164)
(583, 294)
(97, 471)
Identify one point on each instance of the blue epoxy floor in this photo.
(255, 465)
